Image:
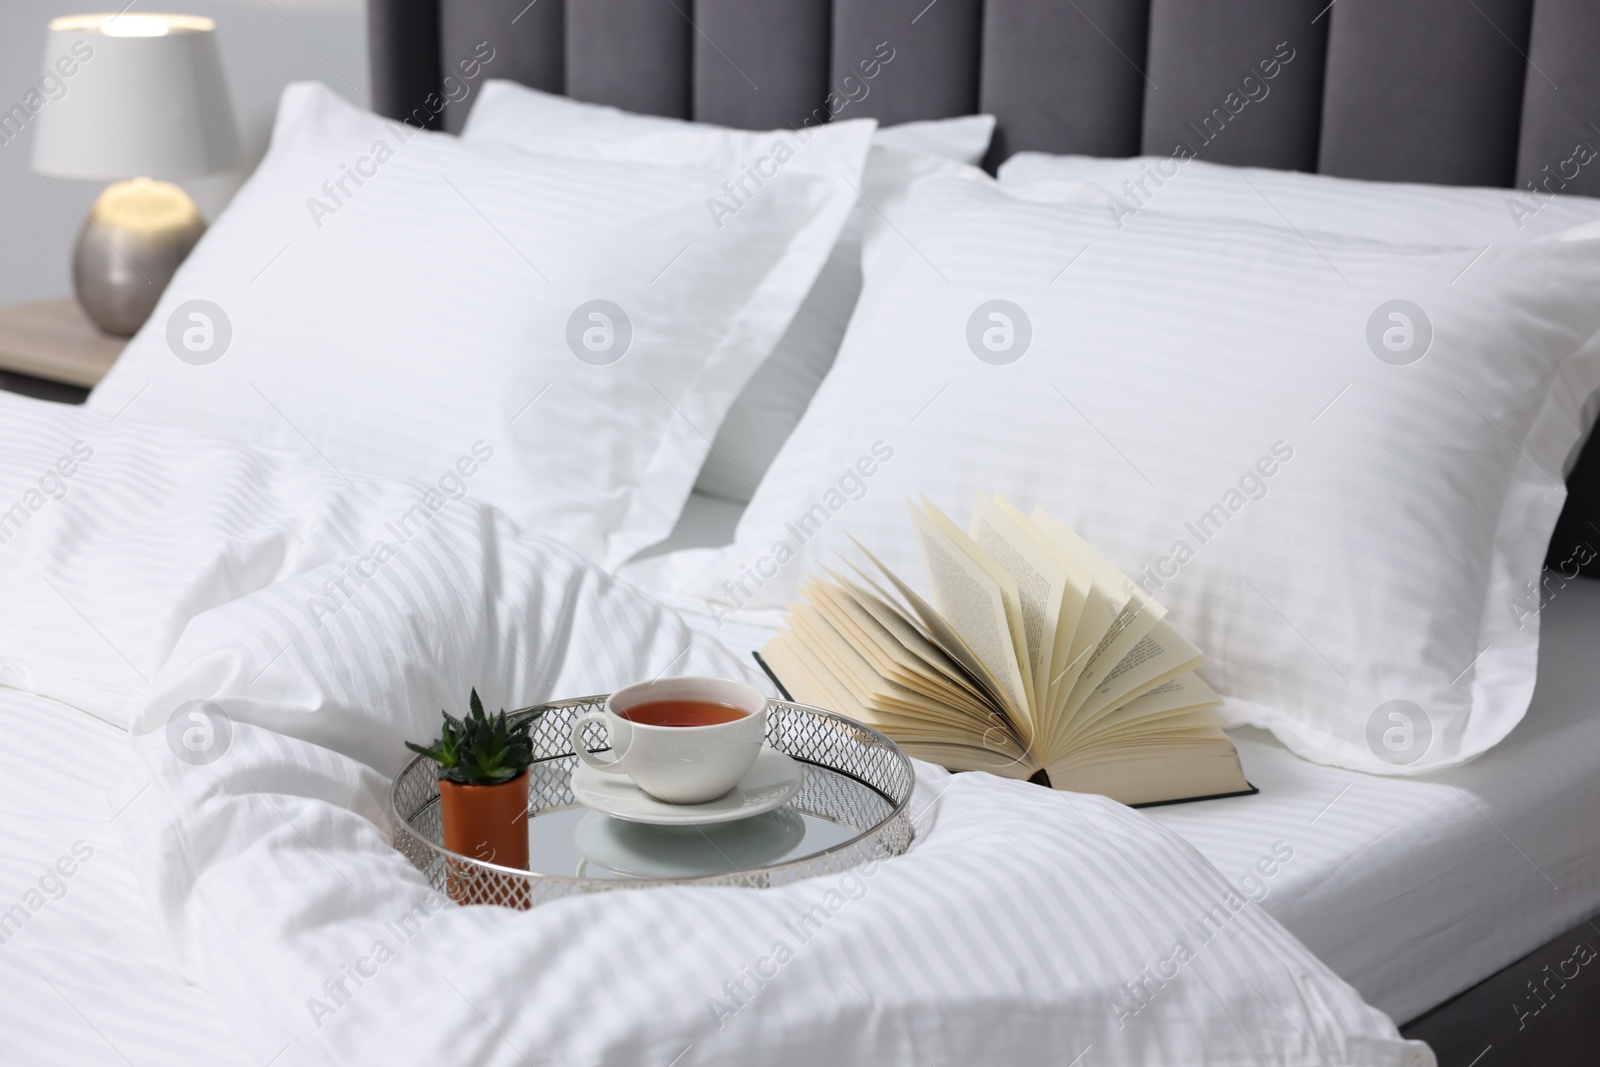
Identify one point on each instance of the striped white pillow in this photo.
(1381, 211)
(388, 296)
(1338, 462)
(771, 404)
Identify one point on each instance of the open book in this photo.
(1036, 659)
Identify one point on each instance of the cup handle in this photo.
(613, 765)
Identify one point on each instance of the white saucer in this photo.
(769, 784)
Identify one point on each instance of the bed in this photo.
(1413, 891)
(1497, 96)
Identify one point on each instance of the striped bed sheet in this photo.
(172, 569)
(1416, 889)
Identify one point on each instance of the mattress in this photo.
(1414, 889)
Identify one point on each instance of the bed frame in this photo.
(1459, 92)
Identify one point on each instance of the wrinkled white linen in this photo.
(1024, 924)
(76, 940)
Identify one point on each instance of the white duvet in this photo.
(328, 619)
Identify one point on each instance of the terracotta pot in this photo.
(488, 823)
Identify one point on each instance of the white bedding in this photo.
(1379, 867)
(84, 980)
(1008, 934)
(301, 324)
(1437, 879)
(1413, 890)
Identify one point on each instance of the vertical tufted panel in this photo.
(1558, 152)
(1064, 77)
(403, 54)
(632, 54)
(760, 64)
(1561, 104)
(526, 40)
(1237, 81)
(1425, 90)
(934, 70)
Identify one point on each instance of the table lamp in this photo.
(143, 99)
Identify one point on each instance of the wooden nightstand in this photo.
(51, 350)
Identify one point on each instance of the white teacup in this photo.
(679, 764)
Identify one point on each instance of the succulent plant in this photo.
(479, 749)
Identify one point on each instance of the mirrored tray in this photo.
(851, 809)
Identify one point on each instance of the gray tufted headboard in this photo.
(1465, 92)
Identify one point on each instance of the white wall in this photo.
(265, 45)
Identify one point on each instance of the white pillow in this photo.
(1380, 211)
(390, 296)
(1357, 524)
(771, 404)
(770, 407)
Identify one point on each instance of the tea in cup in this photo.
(683, 740)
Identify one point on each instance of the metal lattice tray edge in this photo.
(811, 735)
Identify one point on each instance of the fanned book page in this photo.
(1035, 658)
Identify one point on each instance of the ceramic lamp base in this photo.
(137, 233)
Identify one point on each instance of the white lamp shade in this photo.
(134, 96)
